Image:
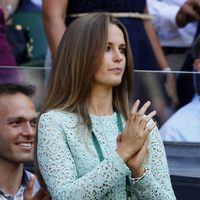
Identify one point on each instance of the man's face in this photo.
(17, 128)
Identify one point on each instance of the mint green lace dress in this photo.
(71, 168)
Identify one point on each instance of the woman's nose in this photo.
(118, 57)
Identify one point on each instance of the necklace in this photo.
(100, 152)
(96, 142)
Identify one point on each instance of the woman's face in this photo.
(113, 64)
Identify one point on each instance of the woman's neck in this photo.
(100, 102)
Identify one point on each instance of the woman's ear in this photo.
(197, 64)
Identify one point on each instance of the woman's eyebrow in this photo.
(122, 44)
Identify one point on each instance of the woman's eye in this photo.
(108, 48)
(122, 50)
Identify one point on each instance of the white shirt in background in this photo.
(37, 2)
(184, 125)
(164, 12)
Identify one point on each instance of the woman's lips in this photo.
(116, 70)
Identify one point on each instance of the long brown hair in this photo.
(79, 56)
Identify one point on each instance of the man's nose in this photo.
(28, 129)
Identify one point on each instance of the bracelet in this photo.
(135, 180)
(10, 8)
(166, 69)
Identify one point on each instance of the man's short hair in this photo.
(13, 88)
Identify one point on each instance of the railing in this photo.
(183, 157)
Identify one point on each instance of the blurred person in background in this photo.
(184, 125)
(175, 40)
(189, 13)
(144, 42)
(30, 5)
(8, 71)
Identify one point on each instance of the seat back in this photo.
(185, 187)
(184, 166)
(183, 158)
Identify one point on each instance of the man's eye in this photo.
(33, 123)
(15, 123)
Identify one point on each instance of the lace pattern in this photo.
(71, 168)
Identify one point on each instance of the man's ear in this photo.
(197, 64)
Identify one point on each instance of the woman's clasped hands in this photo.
(132, 141)
(40, 195)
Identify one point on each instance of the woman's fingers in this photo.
(146, 119)
(144, 108)
(136, 130)
(119, 137)
(150, 115)
(148, 129)
(137, 161)
(134, 109)
(29, 189)
(137, 115)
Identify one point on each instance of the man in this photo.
(184, 125)
(188, 13)
(17, 134)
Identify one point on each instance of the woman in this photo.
(148, 54)
(90, 144)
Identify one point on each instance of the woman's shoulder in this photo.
(57, 113)
(60, 116)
